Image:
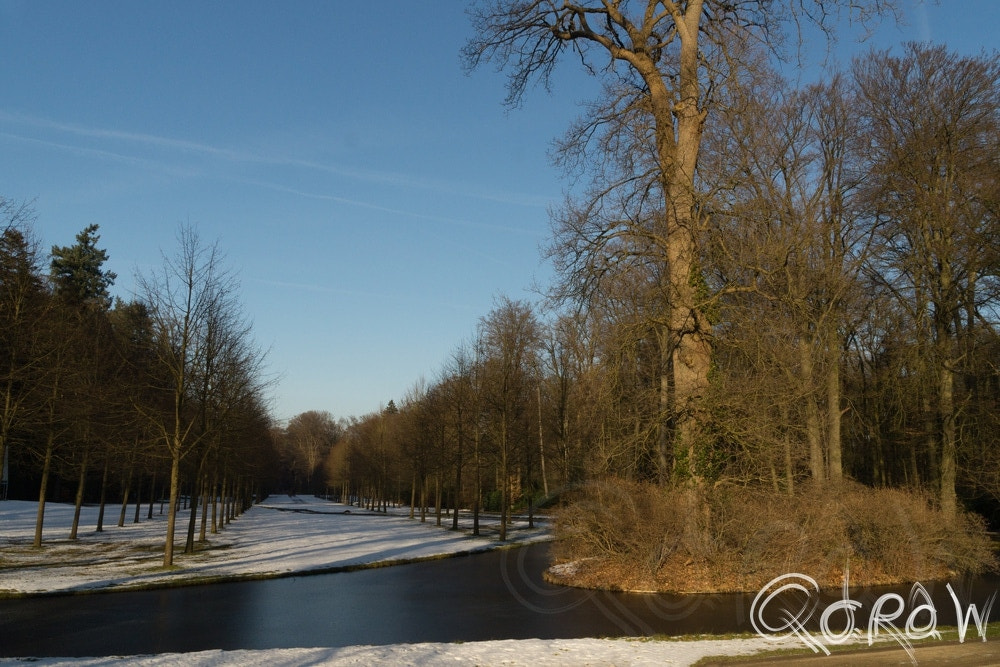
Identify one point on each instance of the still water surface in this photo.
(495, 595)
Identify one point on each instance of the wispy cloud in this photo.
(129, 137)
(99, 153)
(923, 20)
(251, 158)
(394, 211)
(362, 294)
(190, 170)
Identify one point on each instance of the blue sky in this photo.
(372, 197)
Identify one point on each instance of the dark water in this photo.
(496, 595)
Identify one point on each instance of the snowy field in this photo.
(286, 535)
(282, 535)
(508, 653)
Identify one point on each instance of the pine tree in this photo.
(77, 270)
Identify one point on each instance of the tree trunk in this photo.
(541, 444)
(423, 498)
(125, 495)
(479, 485)
(789, 461)
(413, 494)
(458, 475)
(946, 406)
(437, 498)
(203, 528)
(138, 499)
(215, 503)
(667, 457)
(43, 489)
(104, 490)
(504, 480)
(152, 496)
(834, 413)
(222, 501)
(193, 517)
(813, 432)
(81, 483)
(689, 331)
(175, 482)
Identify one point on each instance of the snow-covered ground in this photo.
(281, 535)
(509, 653)
(293, 534)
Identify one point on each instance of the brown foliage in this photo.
(624, 535)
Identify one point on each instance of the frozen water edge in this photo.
(287, 535)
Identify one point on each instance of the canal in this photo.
(493, 595)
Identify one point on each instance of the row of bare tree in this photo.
(781, 281)
(472, 439)
(160, 395)
(837, 308)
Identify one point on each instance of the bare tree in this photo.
(932, 119)
(787, 249)
(511, 338)
(307, 441)
(460, 402)
(186, 300)
(664, 62)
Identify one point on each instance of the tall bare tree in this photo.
(663, 62)
(189, 301)
(788, 248)
(511, 339)
(457, 392)
(932, 119)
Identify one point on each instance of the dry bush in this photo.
(904, 537)
(634, 523)
(768, 534)
(737, 538)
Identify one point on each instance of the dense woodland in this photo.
(767, 296)
(160, 400)
(764, 290)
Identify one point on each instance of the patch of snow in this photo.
(568, 569)
(508, 652)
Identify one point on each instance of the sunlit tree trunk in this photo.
(437, 498)
(126, 492)
(78, 503)
(812, 425)
(834, 414)
(104, 489)
(43, 488)
(175, 485)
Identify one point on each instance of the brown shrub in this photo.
(903, 535)
(626, 521)
(736, 538)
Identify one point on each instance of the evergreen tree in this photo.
(77, 270)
